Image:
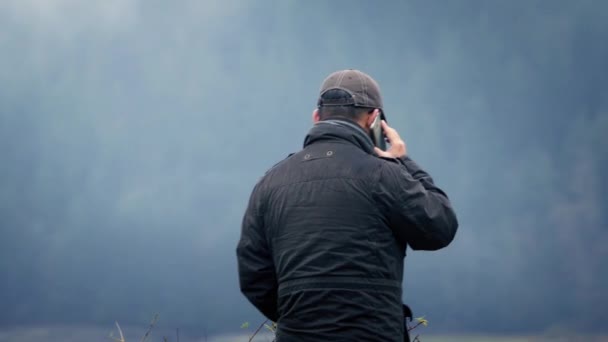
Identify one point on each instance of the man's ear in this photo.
(372, 117)
(315, 115)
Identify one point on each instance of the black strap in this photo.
(407, 313)
(347, 283)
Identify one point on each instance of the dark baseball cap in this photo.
(364, 91)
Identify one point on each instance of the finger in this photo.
(384, 124)
(391, 134)
(381, 153)
(386, 127)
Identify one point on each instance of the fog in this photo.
(132, 132)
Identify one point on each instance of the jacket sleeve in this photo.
(255, 266)
(419, 213)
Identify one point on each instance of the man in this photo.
(325, 232)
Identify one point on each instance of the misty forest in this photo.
(132, 133)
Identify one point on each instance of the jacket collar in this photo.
(340, 129)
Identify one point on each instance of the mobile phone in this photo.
(376, 133)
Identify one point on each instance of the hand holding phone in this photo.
(397, 149)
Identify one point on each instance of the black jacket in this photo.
(324, 237)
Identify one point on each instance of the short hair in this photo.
(340, 111)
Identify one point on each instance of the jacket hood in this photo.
(337, 129)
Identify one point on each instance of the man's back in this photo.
(335, 258)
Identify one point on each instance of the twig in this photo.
(416, 339)
(256, 332)
(143, 339)
(122, 339)
(414, 327)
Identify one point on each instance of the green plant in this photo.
(269, 325)
(421, 321)
(121, 337)
(272, 328)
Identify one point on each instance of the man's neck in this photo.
(352, 122)
(358, 136)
